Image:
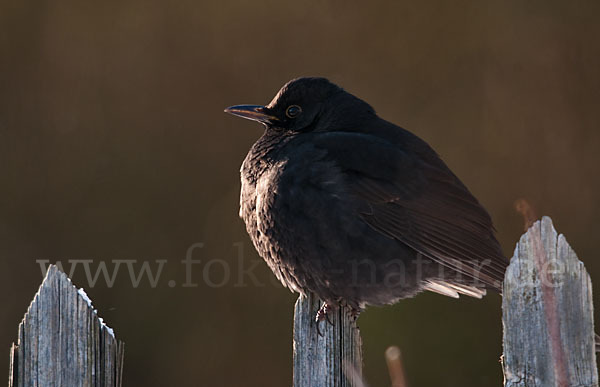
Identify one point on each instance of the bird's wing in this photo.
(414, 198)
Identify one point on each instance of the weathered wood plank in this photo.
(547, 314)
(331, 360)
(63, 342)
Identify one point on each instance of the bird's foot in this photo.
(354, 313)
(323, 314)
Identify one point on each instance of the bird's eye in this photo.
(293, 111)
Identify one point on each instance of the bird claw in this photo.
(354, 313)
(323, 315)
(319, 329)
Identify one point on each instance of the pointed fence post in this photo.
(63, 342)
(331, 360)
(547, 314)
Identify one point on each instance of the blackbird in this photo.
(359, 211)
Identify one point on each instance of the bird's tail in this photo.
(452, 289)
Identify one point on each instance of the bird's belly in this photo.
(311, 235)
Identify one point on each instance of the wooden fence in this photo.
(547, 313)
(63, 342)
(547, 316)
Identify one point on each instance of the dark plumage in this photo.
(344, 204)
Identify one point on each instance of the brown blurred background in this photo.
(114, 145)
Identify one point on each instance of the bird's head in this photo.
(308, 105)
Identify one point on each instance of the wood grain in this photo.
(63, 342)
(331, 360)
(547, 314)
